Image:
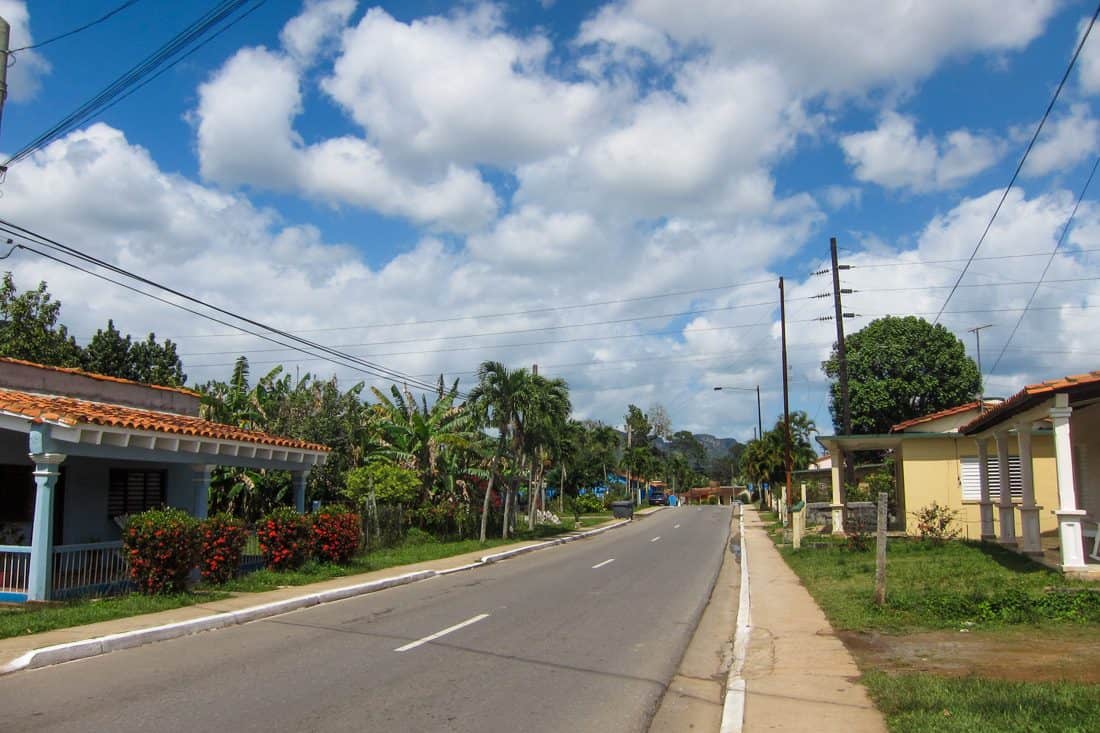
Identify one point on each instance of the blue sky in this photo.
(337, 168)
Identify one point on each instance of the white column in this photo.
(836, 456)
(1069, 516)
(299, 479)
(1004, 506)
(1029, 512)
(45, 479)
(985, 505)
(200, 483)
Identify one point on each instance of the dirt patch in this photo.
(1022, 654)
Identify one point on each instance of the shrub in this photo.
(284, 539)
(161, 546)
(221, 542)
(587, 504)
(745, 497)
(936, 523)
(857, 531)
(712, 499)
(334, 534)
(415, 536)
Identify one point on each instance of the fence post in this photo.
(880, 552)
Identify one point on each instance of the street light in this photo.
(759, 414)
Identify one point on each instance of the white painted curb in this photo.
(733, 709)
(74, 650)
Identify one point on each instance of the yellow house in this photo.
(956, 458)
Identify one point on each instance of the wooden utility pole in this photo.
(841, 350)
(5, 36)
(786, 395)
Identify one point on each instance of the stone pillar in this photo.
(299, 478)
(200, 482)
(1005, 512)
(1029, 512)
(985, 505)
(45, 479)
(1069, 516)
(836, 455)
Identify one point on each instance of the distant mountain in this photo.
(715, 446)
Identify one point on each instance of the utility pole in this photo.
(841, 349)
(786, 398)
(5, 44)
(759, 414)
(977, 331)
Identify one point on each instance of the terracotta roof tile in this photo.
(101, 377)
(941, 414)
(70, 411)
(1031, 393)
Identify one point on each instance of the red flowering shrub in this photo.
(334, 534)
(222, 539)
(284, 539)
(161, 546)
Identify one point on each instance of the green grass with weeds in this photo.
(938, 586)
(926, 703)
(33, 619)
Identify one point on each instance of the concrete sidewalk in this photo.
(242, 607)
(799, 676)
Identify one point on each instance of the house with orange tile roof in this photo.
(79, 451)
(1070, 409)
(1043, 439)
(934, 462)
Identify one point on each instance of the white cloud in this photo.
(1064, 142)
(246, 136)
(26, 71)
(461, 88)
(319, 23)
(895, 156)
(831, 47)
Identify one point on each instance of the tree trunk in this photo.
(485, 504)
(507, 506)
(561, 492)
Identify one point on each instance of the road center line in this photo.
(655, 538)
(601, 564)
(676, 526)
(444, 632)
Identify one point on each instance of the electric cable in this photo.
(103, 18)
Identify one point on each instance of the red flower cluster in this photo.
(161, 546)
(222, 539)
(284, 539)
(335, 534)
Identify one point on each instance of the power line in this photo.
(110, 14)
(533, 311)
(1020, 166)
(1050, 260)
(963, 259)
(1036, 283)
(168, 55)
(370, 367)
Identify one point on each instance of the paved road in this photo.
(581, 637)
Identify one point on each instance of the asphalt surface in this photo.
(544, 642)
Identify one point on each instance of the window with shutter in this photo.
(134, 491)
(971, 486)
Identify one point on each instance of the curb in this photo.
(733, 706)
(72, 651)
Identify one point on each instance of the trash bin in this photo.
(622, 509)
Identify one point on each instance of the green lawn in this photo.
(21, 620)
(926, 703)
(931, 586)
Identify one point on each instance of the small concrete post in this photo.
(880, 551)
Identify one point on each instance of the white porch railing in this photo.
(15, 565)
(95, 568)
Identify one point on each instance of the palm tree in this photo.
(544, 420)
(499, 400)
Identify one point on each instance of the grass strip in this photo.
(927, 703)
(34, 619)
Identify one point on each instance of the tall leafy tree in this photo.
(155, 363)
(900, 368)
(108, 353)
(29, 329)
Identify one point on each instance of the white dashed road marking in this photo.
(444, 632)
(601, 564)
(655, 538)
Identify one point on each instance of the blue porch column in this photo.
(200, 481)
(298, 479)
(45, 479)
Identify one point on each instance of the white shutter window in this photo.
(971, 482)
